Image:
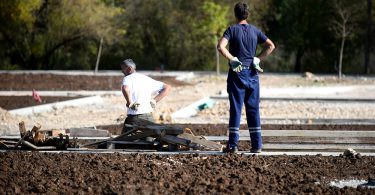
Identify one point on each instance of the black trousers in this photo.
(132, 120)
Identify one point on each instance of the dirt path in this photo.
(27, 173)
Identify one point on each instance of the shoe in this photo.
(256, 150)
(230, 150)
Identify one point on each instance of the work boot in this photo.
(230, 150)
(255, 150)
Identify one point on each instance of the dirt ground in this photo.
(69, 173)
(15, 102)
(42, 173)
(12, 82)
(113, 110)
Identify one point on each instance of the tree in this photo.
(37, 30)
(368, 40)
(343, 26)
(178, 34)
(298, 25)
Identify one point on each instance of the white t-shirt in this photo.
(141, 87)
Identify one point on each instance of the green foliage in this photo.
(180, 34)
(35, 31)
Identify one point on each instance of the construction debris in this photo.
(37, 139)
(146, 135)
(142, 135)
(350, 152)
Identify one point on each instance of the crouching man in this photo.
(138, 91)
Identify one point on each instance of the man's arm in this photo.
(221, 47)
(267, 48)
(126, 93)
(165, 91)
(234, 63)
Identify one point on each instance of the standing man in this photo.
(138, 90)
(243, 79)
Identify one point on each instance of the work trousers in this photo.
(131, 120)
(243, 88)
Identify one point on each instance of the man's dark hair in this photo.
(241, 10)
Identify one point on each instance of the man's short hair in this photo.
(129, 62)
(241, 10)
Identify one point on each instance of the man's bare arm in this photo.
(221, 47)
(267, 49)
(126, 93)
(166, 89)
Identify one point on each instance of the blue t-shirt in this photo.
(243, 40)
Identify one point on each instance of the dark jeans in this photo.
(133, 119)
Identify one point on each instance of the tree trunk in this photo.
(298, 65)
(368, 40)
(341, 56)
(99, 54)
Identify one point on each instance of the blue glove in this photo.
(235, 64)
(256, 62)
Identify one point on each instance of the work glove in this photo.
(235, 64)
(153, 103)
(134, 106)
(256, 62)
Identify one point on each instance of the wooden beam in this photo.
(140, 142)
(3, 146)
(289, 146)
(319, 140)
(206, 144)
(312, 133)
(34, 147)
(22, 128)
(175, 140)
(36, 128)
(87, 132)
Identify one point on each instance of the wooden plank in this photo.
(36, 128)
(137, 136)
(311, 133)
(27, 134)
(32, 146)
(331, 121)
(87, 132)
(3, 146)
(244, 134)
(320, 140)
(142, 124)
(318, 146)
(8, 142)
(22, 128)
(168, 129)
(140, 142)
(206, 144)
(219, 97)
(175, 140)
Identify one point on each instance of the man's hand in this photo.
(134, 106)
(256, 62)
(153, 103)
(235, 64)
